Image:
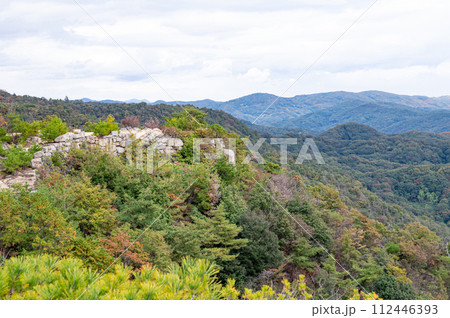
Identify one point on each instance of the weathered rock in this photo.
(125, 143)
(157, 132)
(36, 140)
(23, 178)
(39, 154)
(36, 163)
(49, 149)
(175, 142)
(230, 155)
(91, 139)
(63, 138)
(142, 133)
(169, 151)
(115, 143)
(78, 136)
(103, 142)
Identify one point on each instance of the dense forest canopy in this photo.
(409, 169)
(76, 112)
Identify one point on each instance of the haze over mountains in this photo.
(386, 112)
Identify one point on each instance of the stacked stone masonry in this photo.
(115, 143)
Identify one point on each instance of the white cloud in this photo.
(216, 68)
(255, 74)
(222, 50)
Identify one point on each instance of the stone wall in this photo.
(115, 143)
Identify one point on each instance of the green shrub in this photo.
(219, 130)
(103, 128)
(17, 158)
(190, 119)
(304, 254)
(393, 248)
(233, 203)
(262, 250)
(300, 207)
(3, 136)
(48, 277)
(22, 128)
(271, 167)
(225, 170)
(30, 223)
(322, 233)
(56, 159)
(52, 128)
(388, 287)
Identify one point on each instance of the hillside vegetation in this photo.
(205, 231)
(77, 113)
(409, 170)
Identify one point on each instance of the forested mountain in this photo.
(279, 131)
(389, 113)
(352, 131)
(77, 113)
(411, 170)
(358, 224)
(385, 117)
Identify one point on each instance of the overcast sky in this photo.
(222, 49)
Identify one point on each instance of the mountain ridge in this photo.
(442, 102)
(316, 113)
(387, 112)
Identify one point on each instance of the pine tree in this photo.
(304, 253)
(211, 238)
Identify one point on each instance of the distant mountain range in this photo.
(386, 112)
(111, 101)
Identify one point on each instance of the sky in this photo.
(190, 50)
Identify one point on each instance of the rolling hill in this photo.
(389, 113)
(409, 169)
(77, 112)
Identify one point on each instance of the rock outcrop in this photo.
(25, 177)
(115, 143)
